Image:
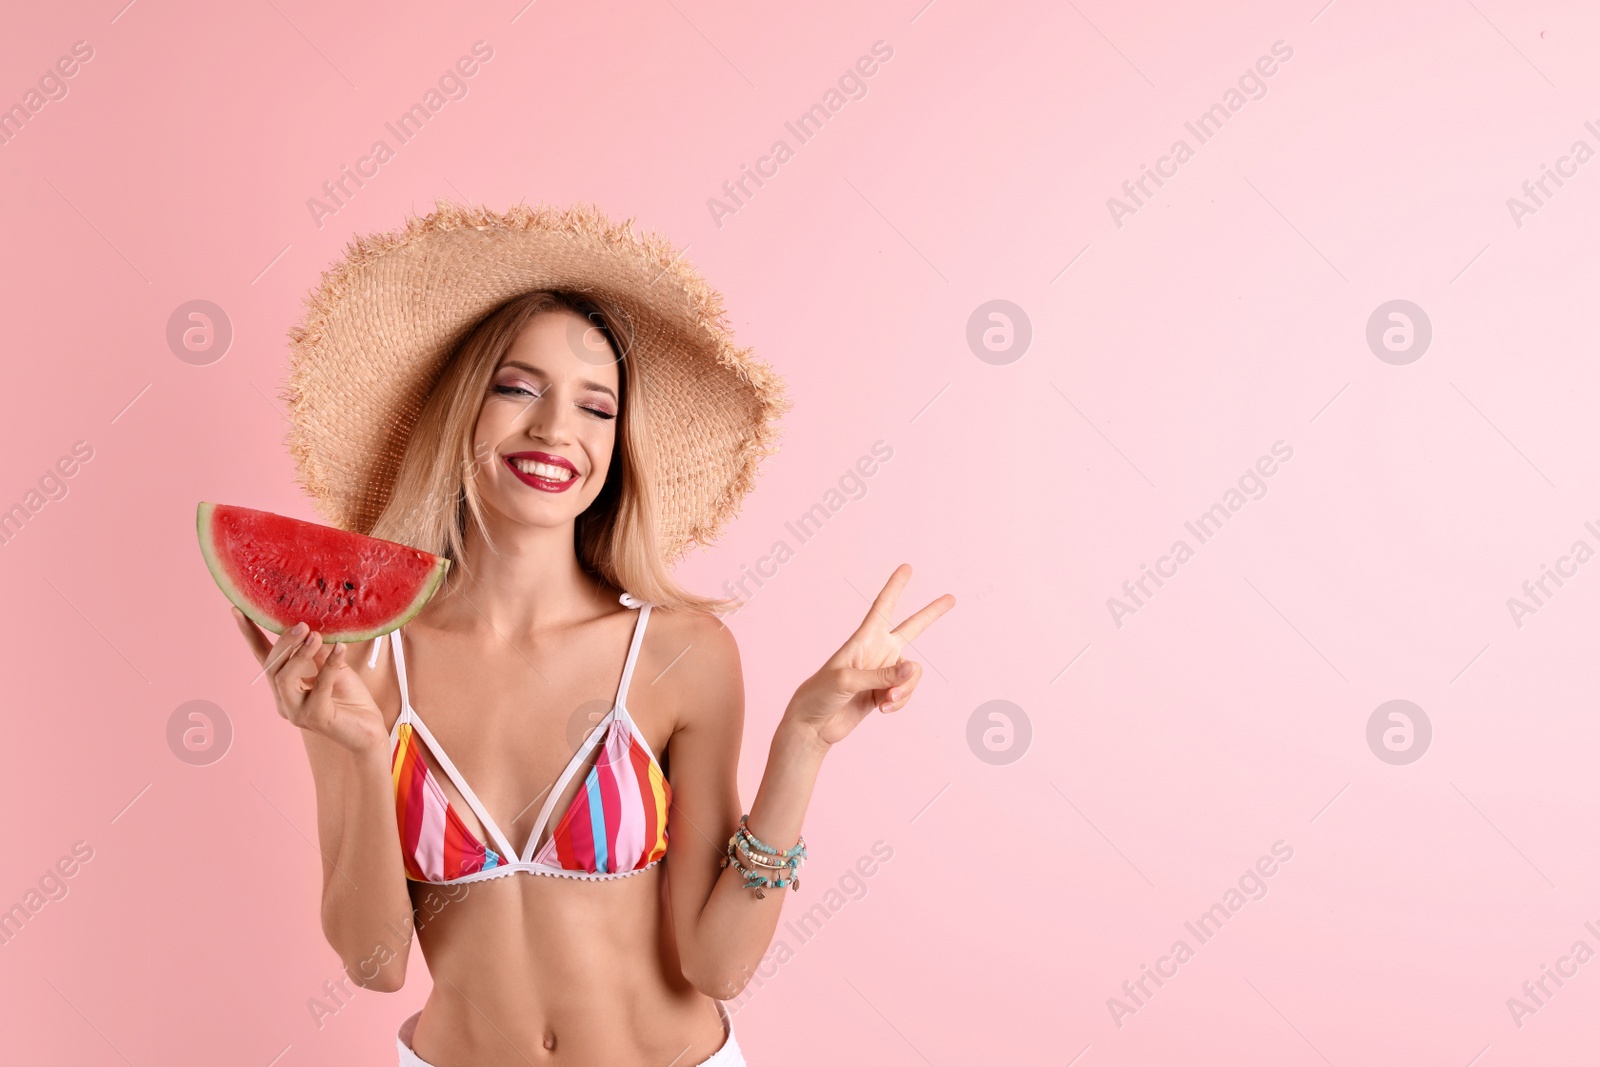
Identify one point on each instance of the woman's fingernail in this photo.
(905, 669)
(297, 629)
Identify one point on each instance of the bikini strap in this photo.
(400, 675)
(399, 671)
(633, 654)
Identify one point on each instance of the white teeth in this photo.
(548, 471)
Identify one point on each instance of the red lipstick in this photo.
(548, 485)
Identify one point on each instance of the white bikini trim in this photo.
(537, 868)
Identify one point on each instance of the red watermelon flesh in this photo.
(345, 586)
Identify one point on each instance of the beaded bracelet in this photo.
(755, 881)
(763, 855)
(758, 860)
(755, 844)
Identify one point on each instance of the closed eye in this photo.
(517, 390)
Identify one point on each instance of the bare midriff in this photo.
(537, 969)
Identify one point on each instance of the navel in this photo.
(550, 1041)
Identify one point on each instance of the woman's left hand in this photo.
(867, 672)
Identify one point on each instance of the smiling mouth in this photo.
(542, 471)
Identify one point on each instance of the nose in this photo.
(549, 418)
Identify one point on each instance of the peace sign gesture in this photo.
(867, 671)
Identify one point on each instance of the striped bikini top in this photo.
(616, 825)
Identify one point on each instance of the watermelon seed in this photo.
(349, 585)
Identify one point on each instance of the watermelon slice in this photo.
(345, 586)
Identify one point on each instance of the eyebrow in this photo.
(586, 383)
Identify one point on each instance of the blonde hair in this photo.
(435, 493)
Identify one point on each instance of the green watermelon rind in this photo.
(239, 600)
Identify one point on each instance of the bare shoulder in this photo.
(701, 639)
(694, 661)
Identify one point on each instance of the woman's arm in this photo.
(723, 928)
(366, 907)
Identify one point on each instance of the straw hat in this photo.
(383, 320)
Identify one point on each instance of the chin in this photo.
(536, 515)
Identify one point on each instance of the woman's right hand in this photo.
(316, 688)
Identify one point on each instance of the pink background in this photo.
(1229, 713)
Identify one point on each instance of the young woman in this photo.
(536, 775)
